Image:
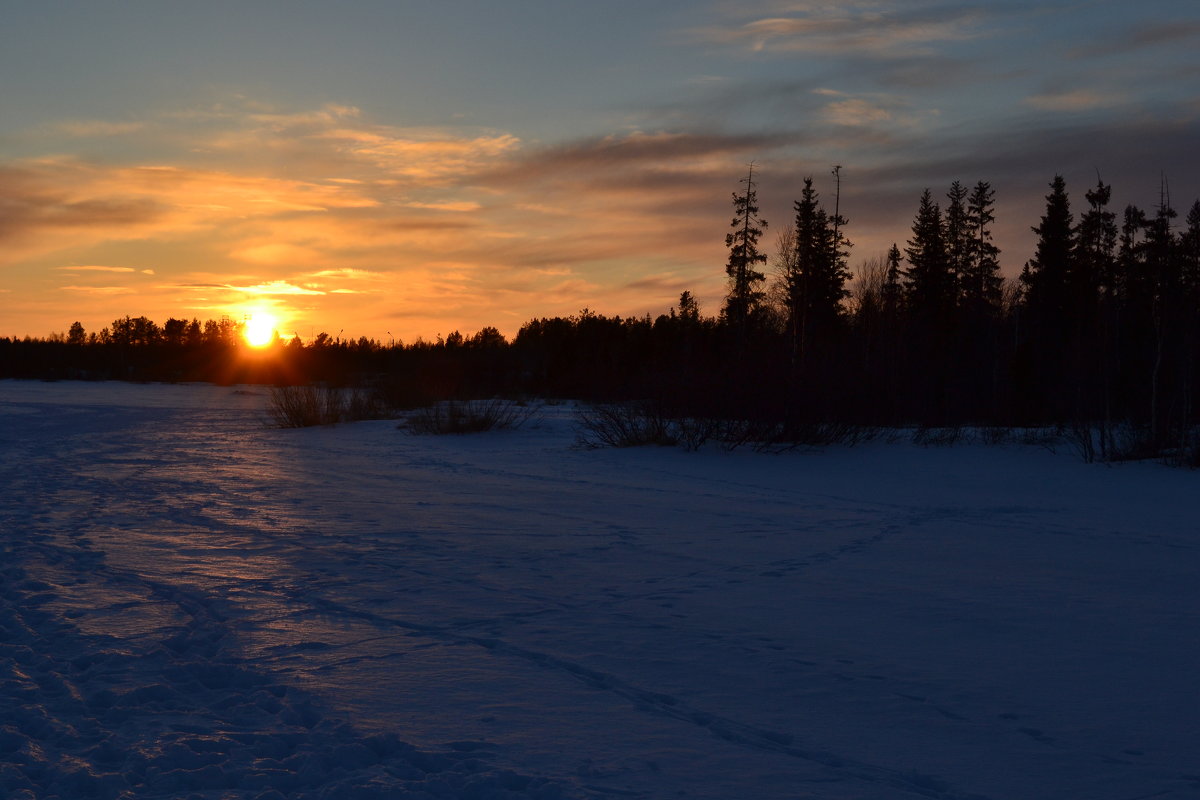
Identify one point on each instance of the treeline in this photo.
(1101, 332)
(138, 349)
(1099, 335)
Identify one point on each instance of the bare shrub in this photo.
(1133, 443)
(773, 437)
(1189, 450)
(469, 416)
(995, 434)
(937, 436)
(305, 406)
(647, 423)
(624, 425)
(1082, 438)
(360, 404)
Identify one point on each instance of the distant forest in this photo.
(1101, 329)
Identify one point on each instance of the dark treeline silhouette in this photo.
(1101, 332)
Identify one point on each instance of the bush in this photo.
(626, 425)
(305, 406)
(648, 423)
(1189, 451)
(775, 437)
(470, 416)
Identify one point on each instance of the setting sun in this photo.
(259, 329)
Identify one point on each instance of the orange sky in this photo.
(396, 170)
(335, 223)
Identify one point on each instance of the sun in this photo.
(259, 329)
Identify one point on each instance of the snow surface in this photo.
(195, 605)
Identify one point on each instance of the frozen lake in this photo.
(193, 604)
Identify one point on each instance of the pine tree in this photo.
(929, 283)
(815, 283)
(1189, 250)
(980, 285)
(1131, 278)
(76, 335)
(891, 293)
(1160, 250)
(1165, 290)
(1046, 276)
(958, 233)
(744, 295)
(1097, 242)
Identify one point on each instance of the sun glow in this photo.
(259, 329)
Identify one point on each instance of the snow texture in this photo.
(195, 605)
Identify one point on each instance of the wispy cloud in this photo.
(105, 291)
(856, 112)
(1073, 100)
(95, 127)
(461, 205)
(1139, 37)
(613, 158)
(276, 288)
(871, 28)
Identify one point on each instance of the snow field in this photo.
(195, 605)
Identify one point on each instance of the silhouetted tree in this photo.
(929, 282)
(1097, 242)
(744, 293)
(958, 233)
(980, 281)
(1047, 275)
(892, 293)
(815, 278)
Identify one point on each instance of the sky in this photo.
(399, 170)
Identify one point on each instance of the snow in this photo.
(196, 605)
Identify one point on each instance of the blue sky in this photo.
(404, 169)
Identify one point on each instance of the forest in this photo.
(1099, 335)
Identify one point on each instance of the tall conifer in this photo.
(744, 279)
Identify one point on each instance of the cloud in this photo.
(276, 288)
(99, 290)
(464, 205)
(1072, 100)
(855, 112)
(349, 273)
(658, 283)
(329, 114)
(35, 200)
(1139, 37)
(870, 28)
(98, 269)
(611, 158)
(94, 128)
(426, 155)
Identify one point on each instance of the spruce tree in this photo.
(929, 283)
(1046, 276)
(980, 287)
(744, 279)
(1189, 250)
(958, 234)
(815, 283)
(891, 293)
(1097, 242)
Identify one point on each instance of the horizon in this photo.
(404, 172)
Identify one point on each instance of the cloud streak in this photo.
(851, 28)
